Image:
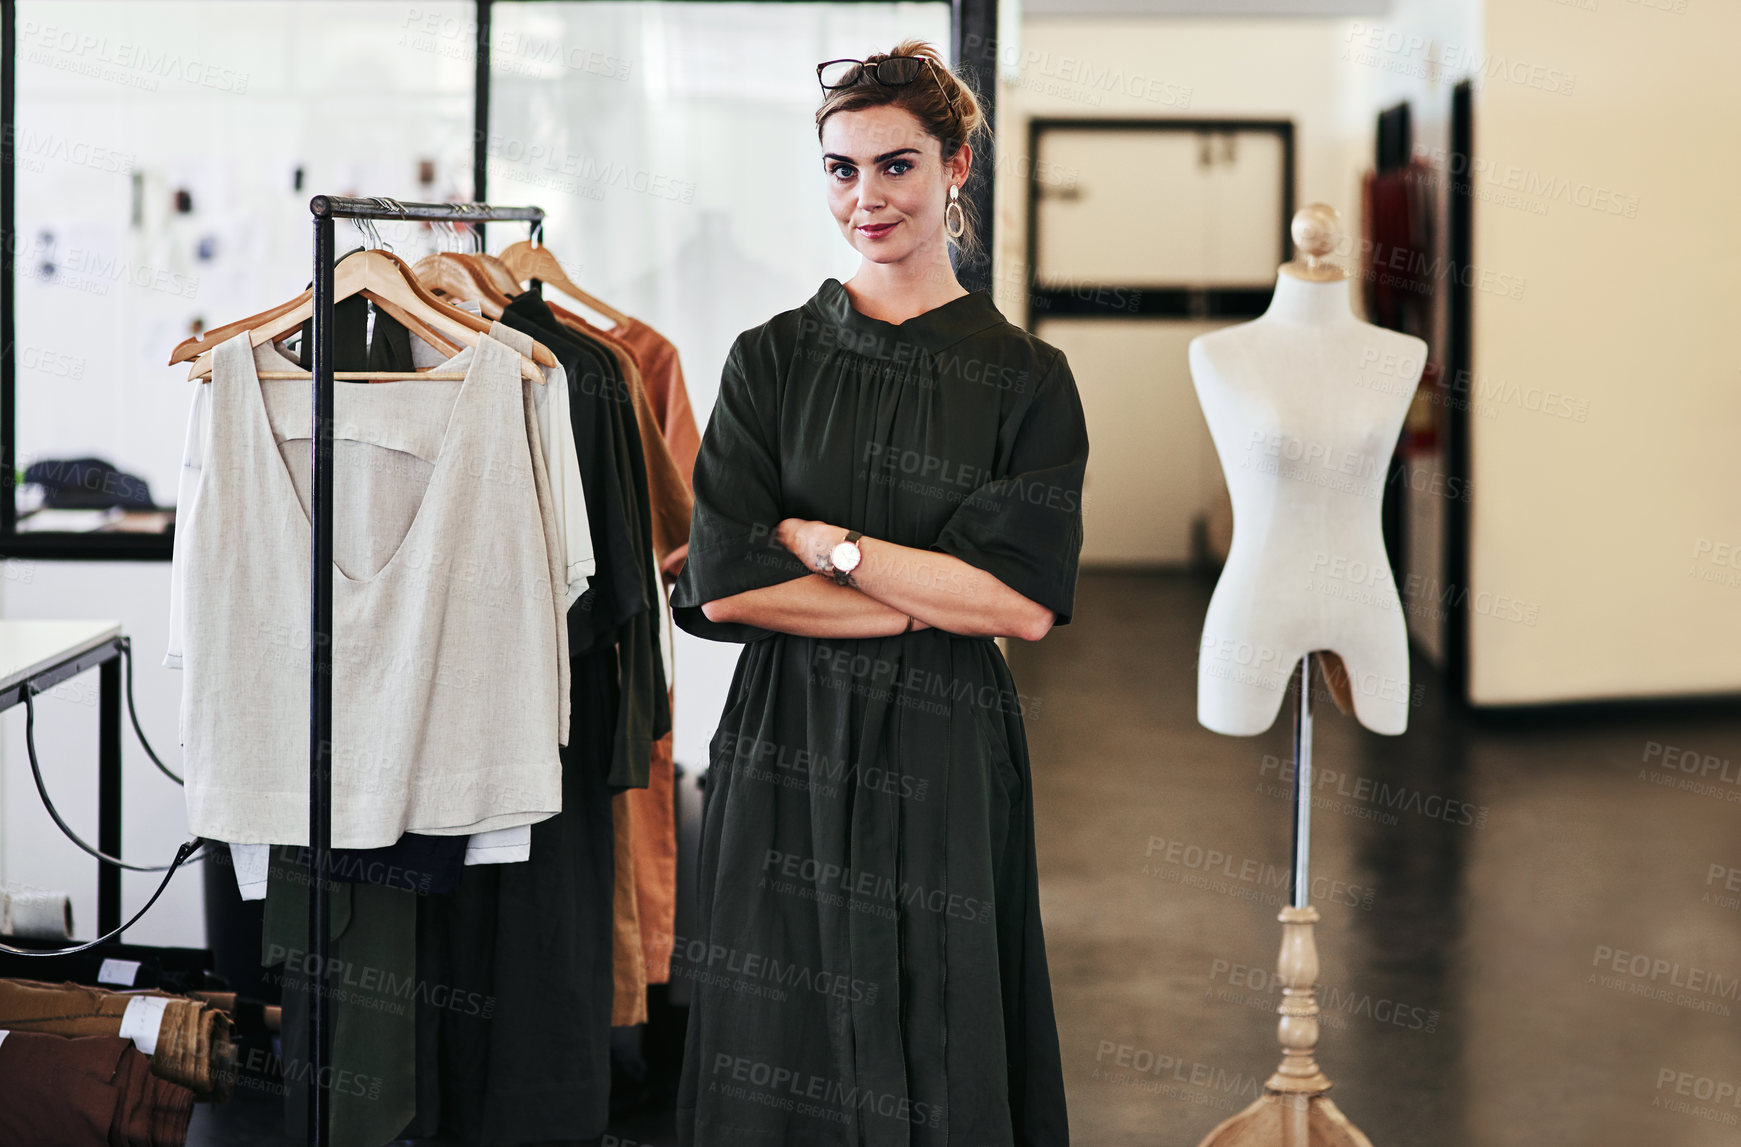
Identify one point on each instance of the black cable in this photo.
(181, 854)
(133, 712)
(42, 791)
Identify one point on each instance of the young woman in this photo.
(891, 477)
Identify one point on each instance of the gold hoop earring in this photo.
(960, 228)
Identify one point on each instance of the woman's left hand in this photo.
(809, 541)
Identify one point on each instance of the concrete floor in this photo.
(1531, 937)
(1501, 947)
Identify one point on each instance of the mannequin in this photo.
(1304, 404)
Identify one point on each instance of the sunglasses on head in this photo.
(890, 71)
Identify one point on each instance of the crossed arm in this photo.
(893, 583)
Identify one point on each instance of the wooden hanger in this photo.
(541, 354)
(386, 279)
(417, 327)
(496, 272)
(526, 262)
(199, 347)
(203, 343)
(459, 277)
(447, 278)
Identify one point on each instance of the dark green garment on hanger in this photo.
(371, 993)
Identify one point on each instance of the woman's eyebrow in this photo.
(885, 155)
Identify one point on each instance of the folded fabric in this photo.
(86, 1091)
(189, 1041)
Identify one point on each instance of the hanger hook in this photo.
(390, 205)
(371, 236)
(454, 226)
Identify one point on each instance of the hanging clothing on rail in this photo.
(652, 812)
(446, 703)
(371, 1002)
(669, 501)
(375, 1029)
(647, 828)
(533, 939)
(417, 862)
(662, 375)
(604, 415)
(537, 938)
(551, 404)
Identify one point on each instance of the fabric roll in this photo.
(86, 1091)
(190, 1042)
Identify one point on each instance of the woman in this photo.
(891, 477)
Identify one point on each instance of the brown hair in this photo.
(951, 126)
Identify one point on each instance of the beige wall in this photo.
(1323, 74)
(1189, 68)
(1602, 515)
(1180, 68)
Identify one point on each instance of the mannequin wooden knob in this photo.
(1317, 231)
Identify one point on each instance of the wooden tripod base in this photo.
(1287, 1119)
(1293, 1110)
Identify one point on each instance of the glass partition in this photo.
(165, 154)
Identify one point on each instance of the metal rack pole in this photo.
(320, 677)
(1302, 879)
(326, 208)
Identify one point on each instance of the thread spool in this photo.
(36, 914)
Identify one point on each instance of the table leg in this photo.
(109, 793)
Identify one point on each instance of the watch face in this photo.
(845, 557)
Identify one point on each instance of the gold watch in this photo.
(844, 558)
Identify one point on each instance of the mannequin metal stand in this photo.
(1294, 1110)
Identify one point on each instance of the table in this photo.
(42, 654)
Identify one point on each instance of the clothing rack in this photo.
(326, 208)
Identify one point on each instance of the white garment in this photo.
(561, 457)
(446, 713)
(499, 846)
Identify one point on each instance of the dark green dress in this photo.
(869, 966)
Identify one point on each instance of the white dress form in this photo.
(1304, 404)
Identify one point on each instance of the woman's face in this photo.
(887, 183)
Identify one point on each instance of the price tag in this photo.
(142, 1020)
(120, 972)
